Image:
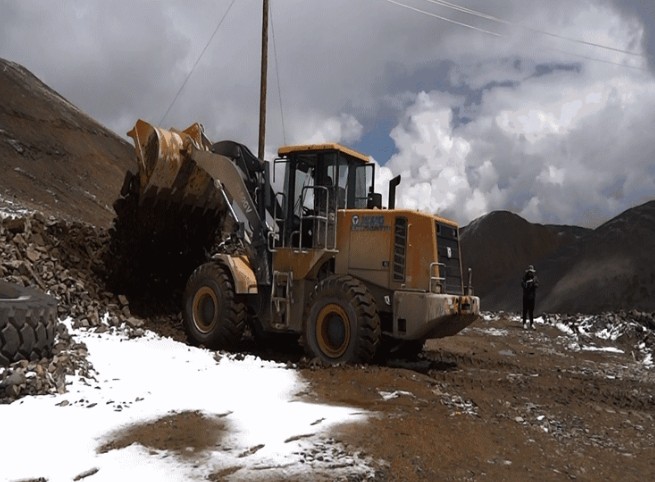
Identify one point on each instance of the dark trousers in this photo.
(528, 309)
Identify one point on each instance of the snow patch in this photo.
(144, 379)
(394, 394)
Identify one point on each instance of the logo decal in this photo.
(369, 223)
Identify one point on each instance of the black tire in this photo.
(213, 315)
(341, 322)
(28, 319)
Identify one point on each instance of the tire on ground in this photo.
(28, 319)
(341, 322)
(213, 315)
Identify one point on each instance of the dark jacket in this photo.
(529, 283)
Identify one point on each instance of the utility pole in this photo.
(263, 82)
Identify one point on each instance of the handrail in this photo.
(323, 220)
(277, 220)
(437, 281)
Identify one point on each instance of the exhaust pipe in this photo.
(392, 191)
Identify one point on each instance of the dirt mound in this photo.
(580, 271)
(53, 157)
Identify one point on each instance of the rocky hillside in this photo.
(609, 268)
(501, 244)
(53, 157)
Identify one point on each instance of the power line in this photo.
(445, 19)
(493, 18)
(220, 22)
(277, 75)
(596, 59)
(498, 35)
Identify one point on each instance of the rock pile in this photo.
(632, 329)
(65, 260)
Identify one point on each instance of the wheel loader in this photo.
(301, 245)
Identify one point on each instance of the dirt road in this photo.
(499, 403)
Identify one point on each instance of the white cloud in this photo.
(479, 123)
(431, 161)
(551, 155)
(344, 129)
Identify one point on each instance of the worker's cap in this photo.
(531, 269)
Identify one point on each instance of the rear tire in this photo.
(27, 323)
(341, 322)
(213, 316)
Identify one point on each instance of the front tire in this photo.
(213, 315)
(341, 322)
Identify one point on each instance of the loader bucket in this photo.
(166, 170)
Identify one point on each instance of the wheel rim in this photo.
(333, 330)
(205, 306)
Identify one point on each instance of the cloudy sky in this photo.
(542, 107)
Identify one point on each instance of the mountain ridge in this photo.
(585, 270)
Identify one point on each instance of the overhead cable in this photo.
(445, 19)
(220, 22)
(277, 75)
(596, 59)
(496, 34)
(493, 18)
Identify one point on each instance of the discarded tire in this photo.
(27, 323)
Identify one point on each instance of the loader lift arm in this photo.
(179, 168)
(243, 208)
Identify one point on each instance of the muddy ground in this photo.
(495, 402)
(499, 403)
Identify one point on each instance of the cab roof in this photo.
(288, 150)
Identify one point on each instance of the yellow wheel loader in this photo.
(298, 246)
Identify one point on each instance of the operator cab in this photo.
(318, 180)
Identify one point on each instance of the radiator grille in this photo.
(448, 256)
(400, 249)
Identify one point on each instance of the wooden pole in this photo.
(263, 82)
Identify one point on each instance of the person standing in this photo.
(529, 283)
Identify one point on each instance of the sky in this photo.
(541, 107)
